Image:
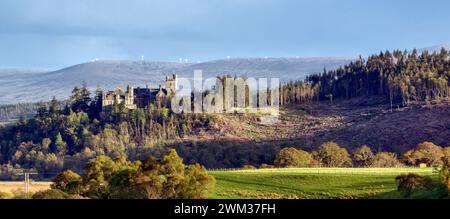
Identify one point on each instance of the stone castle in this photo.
(134, 98)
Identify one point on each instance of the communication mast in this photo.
(27, 182)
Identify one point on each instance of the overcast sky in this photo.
(51, 34)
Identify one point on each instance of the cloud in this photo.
(116, 17)
(55, 33)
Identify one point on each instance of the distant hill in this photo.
(436, 48)
(29, 86)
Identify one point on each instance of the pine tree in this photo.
(42, 110)
(54, 106)
(61, 145)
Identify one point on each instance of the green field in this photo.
(313, 183)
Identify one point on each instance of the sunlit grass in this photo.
(312, 183)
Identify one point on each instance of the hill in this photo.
(23, 86)
(351, 123)
(436, 48)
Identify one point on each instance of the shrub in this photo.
(444, 174)
(52, 194)
(362, 156)
(197, 183)
(446, 152)
(291, 157)
(330, 154)
(265, 166)
(385, 160)
(411, 183)
(68, 182)
(425, 152)
(248, 167)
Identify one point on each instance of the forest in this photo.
(400, 77)
(59, 138)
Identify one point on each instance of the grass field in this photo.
(313, 183)
(17, 188)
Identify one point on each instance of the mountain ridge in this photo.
(108, 74)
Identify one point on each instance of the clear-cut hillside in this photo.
(350, 123)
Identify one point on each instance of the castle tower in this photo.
(129, 98)
(171, 85)
(130, 90)
(160, 97)
(117, 94)
(105, 100)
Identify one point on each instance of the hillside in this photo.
(22, 86)
(349, 123)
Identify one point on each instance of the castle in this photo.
(134, 98)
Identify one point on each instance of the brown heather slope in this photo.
(349, 123)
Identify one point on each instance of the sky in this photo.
(52, 34)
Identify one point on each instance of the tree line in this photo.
(106, 178)
(119, 178)
(400, 77)
(16, 111)
(330, 154)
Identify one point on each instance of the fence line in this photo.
(337, 171)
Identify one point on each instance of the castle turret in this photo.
(130, 90)
(171, 85)
(129, 98)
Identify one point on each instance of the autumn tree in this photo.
(362, 156)
(385, 160)
(166, 179)
(98, 173)
(68, 182)
(330, 154)
(425, 152)
(291, 157)
(446, 152)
